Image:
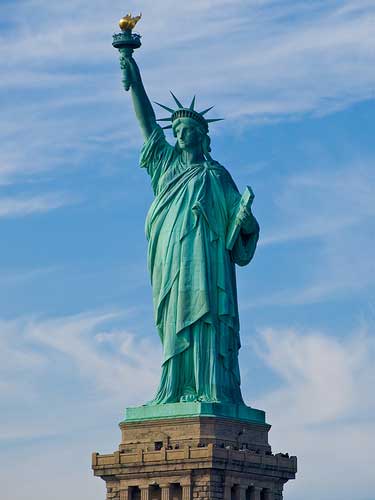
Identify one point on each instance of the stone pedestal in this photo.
(198, 457)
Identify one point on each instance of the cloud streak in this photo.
(321, 410)
(18, 206)
(332, 210)
(40, 355)
(280, 50)
(324, 202)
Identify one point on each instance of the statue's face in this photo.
(187, 133)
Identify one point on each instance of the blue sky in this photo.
(295, 82)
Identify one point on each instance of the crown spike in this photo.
(206, 110)
(164, 107)
(176, 100)
(192, 104)
(210, 120)
(164, 119)
(168, 126)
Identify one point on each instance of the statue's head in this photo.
(191, 135)
(190, 127)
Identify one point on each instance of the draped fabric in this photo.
(193, 274)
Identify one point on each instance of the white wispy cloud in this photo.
(322, 410)
(70, 378)
(324, 202)
(332, 209)
(269, 65)
(38, 354)
(84, 337)
(322, 376)
(17, 206)
(21, 276)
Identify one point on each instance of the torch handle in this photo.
(125, 53)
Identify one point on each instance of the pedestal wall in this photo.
(194, 458)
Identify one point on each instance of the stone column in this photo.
(124, 494)
(186, 491)
(145, 492)
(241, 492)
(268, 495)
(278, 492)
(255, 493)
(227, 491)
(165, 491)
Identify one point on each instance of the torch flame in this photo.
(128, 22)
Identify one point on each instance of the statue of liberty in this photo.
(198, 228)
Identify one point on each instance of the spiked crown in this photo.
(190, 112)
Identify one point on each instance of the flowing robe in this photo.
(193, 274)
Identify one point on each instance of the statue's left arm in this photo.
(245, 245)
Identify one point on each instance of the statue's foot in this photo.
(206, 399)
(188, 398)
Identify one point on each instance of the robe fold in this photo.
(193, 274)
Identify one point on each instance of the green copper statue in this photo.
(198, 227)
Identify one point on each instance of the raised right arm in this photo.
(141, 103)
